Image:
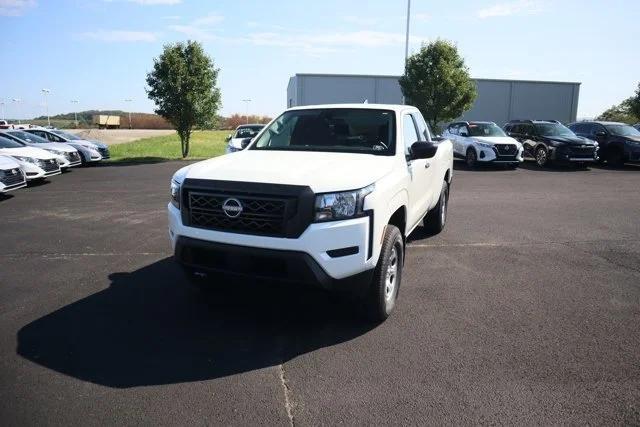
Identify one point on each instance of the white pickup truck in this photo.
(323, 194)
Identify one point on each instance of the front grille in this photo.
(104, 152)
(506, 149)
(259, 215)
(11, 176)
(50, 165)
(584, 151)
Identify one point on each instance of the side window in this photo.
(526, 129)
(597, 128)
(409, 131)
(453, 129)
(463, 129)
(423, 133)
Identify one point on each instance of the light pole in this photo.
(75, 111)
(406, 41)
(17, 101)
(247, 101)
(2, 105)
(46, 104)
(129, 100)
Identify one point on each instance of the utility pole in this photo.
(129, 100)
(247, 101)
(406, 41)
(75, 112)
(17, 101)
(46, 104)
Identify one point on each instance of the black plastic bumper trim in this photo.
(337, 253)
(267, 264)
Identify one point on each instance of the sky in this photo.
(99, 51)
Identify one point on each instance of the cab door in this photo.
(421, 173)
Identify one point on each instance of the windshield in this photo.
(351, 130)
(485, 129)
(553, 129)
(7, 142)
(28, 137)
(623, 130)
(248, 131)
(65, 135)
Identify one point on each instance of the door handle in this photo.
(426, 165)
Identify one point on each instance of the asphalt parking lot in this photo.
(525, 310)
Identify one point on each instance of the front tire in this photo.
(436, 219)
(542, 157)
(471, 158)
(387, 276)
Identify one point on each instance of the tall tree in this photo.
(437, 82)
(183, 87)
(634, 103)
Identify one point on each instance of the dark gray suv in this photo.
(619, 142)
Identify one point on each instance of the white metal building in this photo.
(498, 100)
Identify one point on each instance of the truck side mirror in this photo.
(245, 142)
(423, 150)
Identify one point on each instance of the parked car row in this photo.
(546, 141)
(38, 153)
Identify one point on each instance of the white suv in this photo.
(323, 194)
(483, 142)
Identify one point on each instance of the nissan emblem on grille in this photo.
(14, 171)
(232, 208)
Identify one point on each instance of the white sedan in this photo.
(11, 175)
(66, 155)
(242, 136)
(89, 151)
(35, 163)
(483, 142)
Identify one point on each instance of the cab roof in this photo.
(392, 107)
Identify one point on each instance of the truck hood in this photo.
(8, 163)
(36, 153)
(323, 172)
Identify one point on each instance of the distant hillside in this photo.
(84, 116)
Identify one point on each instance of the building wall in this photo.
(498, 100)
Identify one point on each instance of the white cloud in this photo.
(518, 7)
(15, 7)
(200, 28)
(328, 42)
(120, 36)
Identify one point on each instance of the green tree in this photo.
(437, 82)
(634, 104)
(183, 87)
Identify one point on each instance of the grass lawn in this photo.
(203, 145)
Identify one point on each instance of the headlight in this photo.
(343, 205)
(175, 194)
(56, 152)
(484, 144)
(27, 159)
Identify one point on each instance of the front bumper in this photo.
(491, 155)
(316, 242)
(11, 179)
(206, 257)
(568, 155)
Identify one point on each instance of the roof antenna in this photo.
(366, 101)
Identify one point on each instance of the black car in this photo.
(550, 141)
(619, 142)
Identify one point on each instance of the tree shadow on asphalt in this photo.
(149, 328)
